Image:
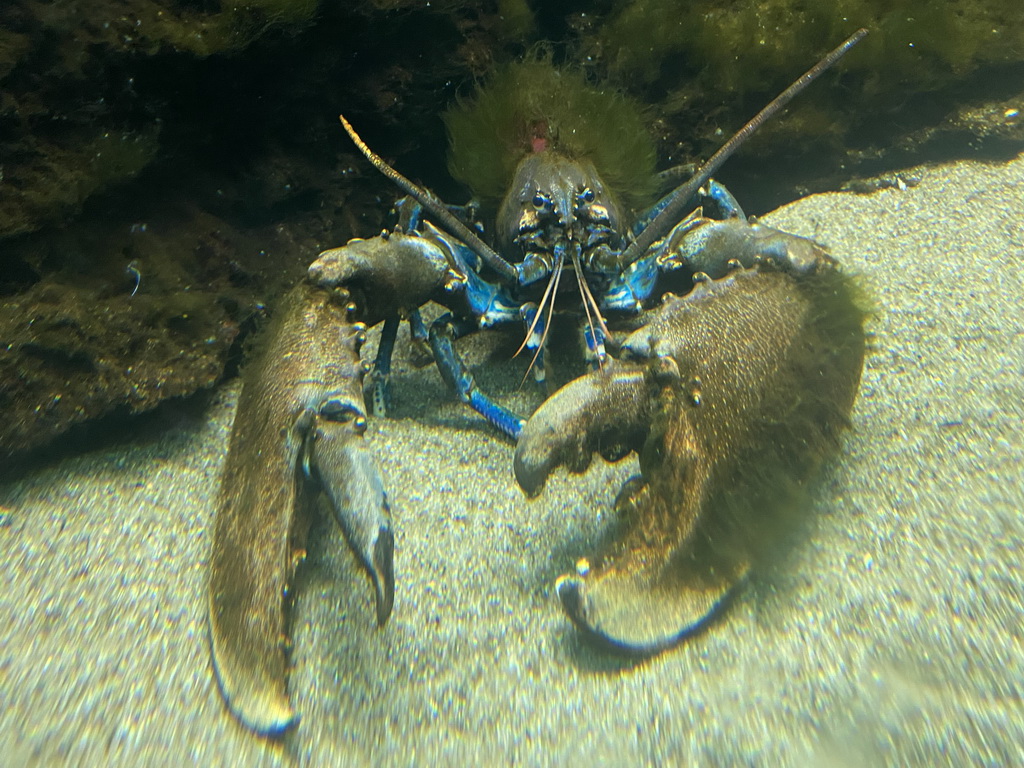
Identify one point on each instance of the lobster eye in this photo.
(587, 195)
(539, 201)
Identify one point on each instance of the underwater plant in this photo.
(532, 105)
(744, 45)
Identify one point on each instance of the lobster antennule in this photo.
(437, 209)
(673, 210)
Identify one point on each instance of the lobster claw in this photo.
(630, 599)
(630, 617)
(345, 468)
(298, 430)
(731, 396)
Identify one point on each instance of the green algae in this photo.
(62, 174)
(147, 26)
(236, 26)
(490, 133)
(746, 45)
(13, 47)
(516, 19)
(48, 174)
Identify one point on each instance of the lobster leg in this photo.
(418, 331)
(456, 374)
(536, 325)
(381, 376)
(715, 199)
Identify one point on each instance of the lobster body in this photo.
(726, 354)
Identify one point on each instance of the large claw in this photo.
(732, 396)
(300, 415)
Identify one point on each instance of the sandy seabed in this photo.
(888, 632)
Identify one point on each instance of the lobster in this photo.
(725, 353)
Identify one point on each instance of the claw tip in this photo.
(383, 574)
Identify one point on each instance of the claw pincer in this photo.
(731, 395)
(298, 431)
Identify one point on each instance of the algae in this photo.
(13, 47)
(61, 85)
(745, 45)
(490, 133)
(706, 66)
(59, 175)
(146, 26)
(516, 19)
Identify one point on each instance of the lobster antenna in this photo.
(670, 214)
(442, 216)
(553, 287)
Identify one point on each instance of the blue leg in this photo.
(629, 291)
(468, 214)
(683, 247)
(713, 247)
(595, 338)
(443, 333)
(410, 214)
(717, 201)
(646, 217)
(420, 343)
(417, 328)
(381, 376)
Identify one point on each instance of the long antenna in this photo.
(442, 216)
(673, 210)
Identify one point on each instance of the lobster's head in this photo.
(555, 199)
(559, 215)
